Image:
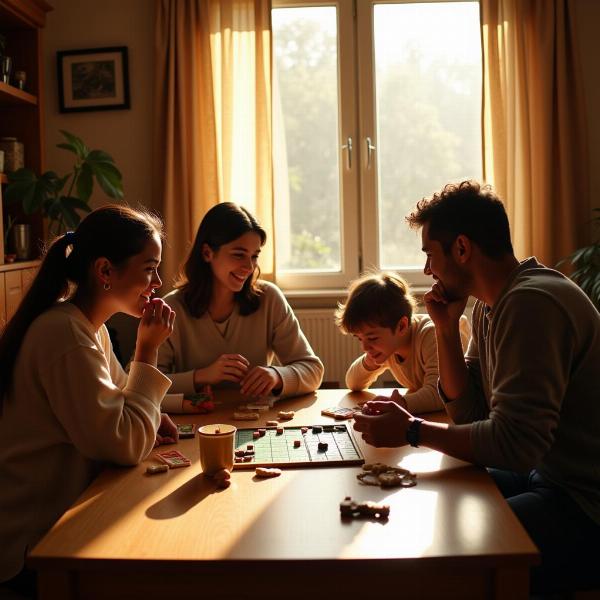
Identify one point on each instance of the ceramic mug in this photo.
(217, 444)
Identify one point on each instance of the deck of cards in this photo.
(174, 459)
(185, 430)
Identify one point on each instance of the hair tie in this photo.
(70, 237)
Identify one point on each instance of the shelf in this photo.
(12, 96)
(20, 264)
(3, 178)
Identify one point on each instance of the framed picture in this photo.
(94, 79)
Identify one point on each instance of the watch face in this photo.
(412, 433)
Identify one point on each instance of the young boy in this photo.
(379, 313)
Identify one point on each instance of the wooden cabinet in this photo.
(21, 116)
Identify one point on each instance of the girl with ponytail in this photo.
(66, 404)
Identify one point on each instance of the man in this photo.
(525, 400)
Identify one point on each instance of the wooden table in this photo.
(176, 535)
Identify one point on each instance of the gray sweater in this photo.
(534, 392)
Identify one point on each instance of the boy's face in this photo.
(380, 342)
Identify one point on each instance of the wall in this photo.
(125, 134)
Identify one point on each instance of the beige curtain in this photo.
(534, 130)
(213, 115)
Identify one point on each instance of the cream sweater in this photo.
(70, 408)
(418, 372)
(271, 332)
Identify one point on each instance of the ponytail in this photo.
(49, 286)
(114, 231)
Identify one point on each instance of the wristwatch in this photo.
(413, 432)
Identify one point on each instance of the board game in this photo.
(310, 446)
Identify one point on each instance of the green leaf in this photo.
(69, 214)
(80, 148)
(77, 203)
(99, 156)
(85, 182)
(22, 175)
(69, 147)
(109, 178)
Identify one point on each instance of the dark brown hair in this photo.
(115, 231)
(469, 209)
(222, 224)
(378, 299)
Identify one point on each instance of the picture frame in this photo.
(93, 79)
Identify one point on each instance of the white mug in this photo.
(217, 444)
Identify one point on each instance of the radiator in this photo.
(336, 350)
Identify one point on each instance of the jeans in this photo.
(566, 537)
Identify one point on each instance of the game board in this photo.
(273, 449)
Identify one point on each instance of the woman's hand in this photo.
(167, 431)
(228, 367)
(261, 381)
(384, 422)
(156, 325)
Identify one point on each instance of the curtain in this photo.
(213, 114)
(535, 147)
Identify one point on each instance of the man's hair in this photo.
(466, 208)
(378, 299)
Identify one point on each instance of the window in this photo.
(376, 104)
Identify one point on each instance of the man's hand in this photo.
(444, 311)
(386, 426)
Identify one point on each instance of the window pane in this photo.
(305, 132)
(428, 105)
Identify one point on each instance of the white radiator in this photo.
(336, 350)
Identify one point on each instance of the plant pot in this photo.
(21, 238)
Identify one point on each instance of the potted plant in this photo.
(45, 192)
(586, 266)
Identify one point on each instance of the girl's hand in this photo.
(228, 367)
(156, 325)
(386, 425)
(260, 381)
(167, 431)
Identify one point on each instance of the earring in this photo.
(106, 286)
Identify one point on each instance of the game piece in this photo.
(317, 429)
(262, 432)
(349, 508)
(272, 423)
(385, 476)
(247, 458)
(240, 453)
(217, 430)
(250, 447)
(297, 443)
(303, 429)
(339, 412)
(256, 434)
(265, 472)
(258, 407)
(154, 469)
(279, 430)
(327, 428)
(185, 430)
(323, 446)
(245, 416)
(174, 459)
(286, 414)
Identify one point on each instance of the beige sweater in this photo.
(71, 407)
(271, 332)
(418, 372)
